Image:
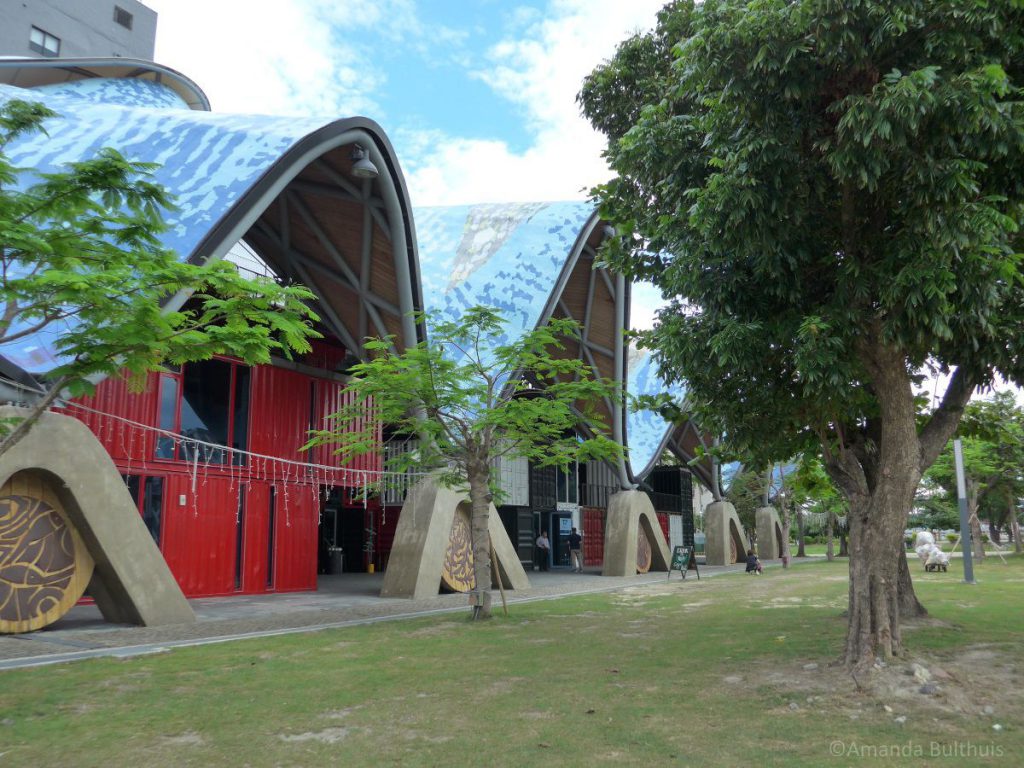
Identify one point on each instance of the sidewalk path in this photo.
(340, 601)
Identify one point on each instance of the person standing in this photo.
(576, 551)
(543, 550)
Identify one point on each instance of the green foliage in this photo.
(471, 397)
(81, 252)
(992, 438)
(813, 182)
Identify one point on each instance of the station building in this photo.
(210, 451)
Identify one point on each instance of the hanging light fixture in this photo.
(362, 166)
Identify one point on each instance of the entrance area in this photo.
(559, 528)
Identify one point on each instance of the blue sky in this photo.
(478, 96)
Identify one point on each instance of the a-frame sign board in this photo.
(683, 560)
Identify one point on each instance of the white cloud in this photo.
(313, 57)
(294, 57)
(541, 72)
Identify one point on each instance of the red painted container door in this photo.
(593, 536)
(200, 533)
(663, 519)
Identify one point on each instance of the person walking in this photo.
(543, 550)
(576, 551)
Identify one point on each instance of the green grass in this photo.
(686, 673)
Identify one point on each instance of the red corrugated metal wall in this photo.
(663, 519)
(593, 536)
(200, 528)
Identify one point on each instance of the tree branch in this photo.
(943, 422)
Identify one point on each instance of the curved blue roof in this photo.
(509, 256)
(210, 163)
(115, 90)
(513, 256)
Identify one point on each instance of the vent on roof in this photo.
(122, 17)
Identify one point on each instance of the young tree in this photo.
(473, 397)
(79, 252)
(832, 192)
(814, 492)
(992, 432)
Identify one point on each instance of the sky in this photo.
(477, 96)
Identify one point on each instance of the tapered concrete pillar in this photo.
(421, 541)
(769, 533)
(629, 512)
(61, 485)
(725, 542)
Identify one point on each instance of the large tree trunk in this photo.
(878, 474)
(876, 551)
(479, 491)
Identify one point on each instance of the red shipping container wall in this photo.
(593, 536)
(216, 526)
(663, 519)
(332, 397)
(122, 441)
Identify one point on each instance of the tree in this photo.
(815, 494)
(832, 192)
(472, 397)
(992, 434)
(79, 251)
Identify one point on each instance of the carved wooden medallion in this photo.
(44, 565)
(457, 573)
(643, 551)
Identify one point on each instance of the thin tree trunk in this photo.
(800, 552)
(1017, 547)
(830, 553)
(977, 545)
(844, 544)
(478, 492)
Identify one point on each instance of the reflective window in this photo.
(43, 42)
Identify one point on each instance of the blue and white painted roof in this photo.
(518, 257)
(225, 171)
(222, 171)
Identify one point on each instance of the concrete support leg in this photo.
(421, 540)
(131, 581)
(723, 534)
(769, 533)
(627, 512)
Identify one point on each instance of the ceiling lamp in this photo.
(362, 166)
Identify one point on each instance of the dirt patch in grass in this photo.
(974, 682)
(186, 739)
(326, 736)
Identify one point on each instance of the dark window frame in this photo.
(43, 48)
(237, 370)
(123, 17)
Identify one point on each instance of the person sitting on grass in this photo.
(753, 564)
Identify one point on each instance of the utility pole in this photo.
(965, 528)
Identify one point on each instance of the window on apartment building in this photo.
(207, 401)
(43, 42)
(122, 17)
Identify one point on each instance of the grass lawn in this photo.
(718, 672)
(946, 546)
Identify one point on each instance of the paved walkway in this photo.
(340, 601)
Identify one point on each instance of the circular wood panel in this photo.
(643, 551)
(457, 573)
(44, 565)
